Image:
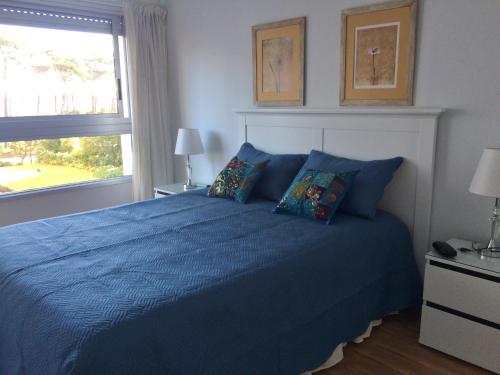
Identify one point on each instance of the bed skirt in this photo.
(338, 353)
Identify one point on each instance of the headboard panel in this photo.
(366, 134)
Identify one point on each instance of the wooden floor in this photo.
(393, 348)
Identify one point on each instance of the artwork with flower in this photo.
(378, 53)
(376, 56)
(278, 53)
(277, 64)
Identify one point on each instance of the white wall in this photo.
(457, 67)
(16, 209)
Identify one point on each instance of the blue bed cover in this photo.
(194, 285)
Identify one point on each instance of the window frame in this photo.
(74, 187)
(27, 128)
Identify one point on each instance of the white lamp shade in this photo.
(486, 180)
(188, 142)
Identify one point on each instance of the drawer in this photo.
(469, 294)
(473, 342)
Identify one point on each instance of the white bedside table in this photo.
(461, 309)
(172, 189)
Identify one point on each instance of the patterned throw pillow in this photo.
(315, 194)
(237, 180)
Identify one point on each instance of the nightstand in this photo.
(461, 309)
(172, 189)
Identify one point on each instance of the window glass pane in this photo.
(26, 165)
(55, 72)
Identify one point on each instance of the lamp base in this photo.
(492, 250)
(188, 185)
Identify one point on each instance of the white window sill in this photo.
(66, 188)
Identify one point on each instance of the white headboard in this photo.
(361, 133)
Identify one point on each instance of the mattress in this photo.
(194, 285)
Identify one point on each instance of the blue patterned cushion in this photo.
(237, 180)
(370, 183)
(315, 194)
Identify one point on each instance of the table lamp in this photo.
(188, 143)
(486, 182)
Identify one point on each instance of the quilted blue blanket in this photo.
(194, 285)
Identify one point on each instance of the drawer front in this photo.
(466, 293)
(473, 342)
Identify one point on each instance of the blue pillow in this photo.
(237, 180)
(368, 188)
(315, 194)
(277, 176)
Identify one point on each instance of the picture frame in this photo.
(278, 62)
(378, 53)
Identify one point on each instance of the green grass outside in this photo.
(36, 176)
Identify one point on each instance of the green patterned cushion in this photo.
(237, 180)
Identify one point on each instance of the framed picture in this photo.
(378, 49)
(278, 63)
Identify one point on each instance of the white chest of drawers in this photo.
(461, 309)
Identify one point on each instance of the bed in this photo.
(191, 285)
(196, 285)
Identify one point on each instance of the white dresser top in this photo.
(470, 259)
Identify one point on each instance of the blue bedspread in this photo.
(194, 285)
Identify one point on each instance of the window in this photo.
(67, 72)
(63, 103)
(28, 165)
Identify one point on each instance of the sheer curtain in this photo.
(146, 33)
